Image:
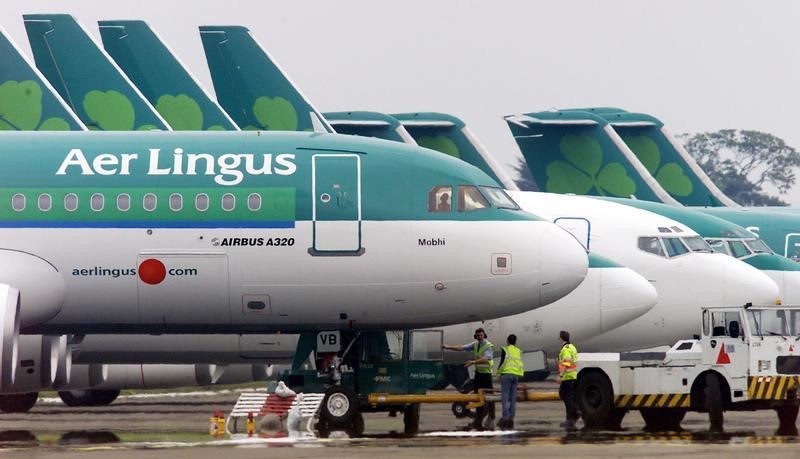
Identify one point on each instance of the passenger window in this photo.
(228, 202)
(440, 199)
(175, 202)
(71, 202)
(254, 202)
(201, 202)
(45, 202)
(674, 246)
(651, 245)
(469, 199)
(718, 246)
(738, 249)
(149, 202)
(97, 202)
(18, 202)
(123, 202)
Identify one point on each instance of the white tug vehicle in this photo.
(746, 358)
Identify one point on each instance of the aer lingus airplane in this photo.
(29, 103)
(613, 231)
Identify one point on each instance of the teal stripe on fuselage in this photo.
(596, 261)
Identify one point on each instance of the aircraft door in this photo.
(579, 227)
(336, 209)
(792, 248)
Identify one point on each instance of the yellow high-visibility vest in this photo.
(568, 362)
(478, 349)
(512, 363)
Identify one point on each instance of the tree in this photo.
(741, 162)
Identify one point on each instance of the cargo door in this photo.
(336, 209)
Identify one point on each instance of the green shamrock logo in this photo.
(21, 108)
(276, 114)
(670, 176)
(181, 112)
(584, 170)
(109, 111)
(441, 144)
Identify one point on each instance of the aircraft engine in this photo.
(40, 285)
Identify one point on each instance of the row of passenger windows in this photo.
(97, 202)
(469, 198)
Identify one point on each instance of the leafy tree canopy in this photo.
(741, 162)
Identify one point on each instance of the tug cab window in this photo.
(469, 199)
(651, 245)
(440, 199)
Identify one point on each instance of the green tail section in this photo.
(369, 124)
(578, 152)
(251, 87)
(163, 80)
(666, 160)
(27, 101)
(449, 135)
(86, 78)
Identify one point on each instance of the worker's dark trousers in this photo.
(567, 393)
(483, 381)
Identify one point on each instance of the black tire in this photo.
(18, 403)
(662, 419)
(714, 404)
(787, 417)
(411, 420)
(357, 428)
(103, 397)
(76, 397)
(339, 407)
(595, 399)
(461, 411)
(614, 421)
(323, 431)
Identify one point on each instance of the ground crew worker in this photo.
(567, 374)
(511, 369)
(483, 353)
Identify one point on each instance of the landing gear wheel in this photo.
(339, 406)
(103, 397)
(660, 420)
(713, 399)
(18, 403)
(460, 410)
(76, 397)
(787, 418)
(595, 399)
(411, 420)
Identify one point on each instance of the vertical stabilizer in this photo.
(666, 160)
(27, 100)
(579, 152)
(251, 87)
(369, 124)
(162, 78)
(86, 77)
(448, 134)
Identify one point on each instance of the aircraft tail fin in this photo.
(369, 124)
(666, 160)
(86, 77)
(162, 78)
(252, 88)
(27, 100)
(578, 152)
(448, 134)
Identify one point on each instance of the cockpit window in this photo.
(664, 229)
(697, 244)
(758, 246)
(719, 246)
(651, 245)
(440, 198)
(499, 198)
(738, 249)
(674, 246)
(469, 199)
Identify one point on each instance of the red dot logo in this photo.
(152, 271)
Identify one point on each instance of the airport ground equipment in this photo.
(257, 404)
(746, 358)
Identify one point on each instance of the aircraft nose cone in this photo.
(624, 296)
(563, 264)
(744, 284)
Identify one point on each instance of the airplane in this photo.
(577, 151)
(675, 316)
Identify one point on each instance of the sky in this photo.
(697, 65)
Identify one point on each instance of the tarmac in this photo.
(176, 425)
